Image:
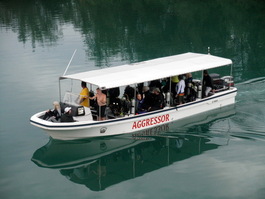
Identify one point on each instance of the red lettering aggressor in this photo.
(150, 121)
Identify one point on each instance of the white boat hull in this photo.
(136, 123)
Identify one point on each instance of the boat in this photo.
(87, 125)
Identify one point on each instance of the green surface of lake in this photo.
(216, 155)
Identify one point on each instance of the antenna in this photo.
(69, 62)
(209, 51)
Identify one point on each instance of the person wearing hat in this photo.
(159, 100)
(67, 117)
(53, 115)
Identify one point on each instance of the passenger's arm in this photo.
(94, 97)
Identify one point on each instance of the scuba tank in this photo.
(200, 91)
(133, 106)
(168, 99)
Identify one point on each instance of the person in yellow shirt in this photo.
(175, 79)
(174, 82)
(84, 94)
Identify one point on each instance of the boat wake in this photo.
(249, 119)
(252, 81)
(246, 119)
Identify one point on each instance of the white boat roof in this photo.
(149, 70)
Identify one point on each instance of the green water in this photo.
(220, 154)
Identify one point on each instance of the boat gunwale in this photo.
(82, 124)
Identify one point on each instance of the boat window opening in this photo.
(126, 105)
(60, 92)
(126, 119)
(231, 70)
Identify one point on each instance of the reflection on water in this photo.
(145, 30)
(101, 162)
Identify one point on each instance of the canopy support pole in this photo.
(99, 114)
(170, 92)
(231, 70)
(60, 95)
(202, 86)
(134, 101)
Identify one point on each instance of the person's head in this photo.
(180, 77)
(99, 91)
(145, 89)
(56, 105)
(67, 110)
(156, 91)
(205, 72)
(139, 96)
(188, 75)
(83, 84)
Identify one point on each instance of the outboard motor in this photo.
(228, 81)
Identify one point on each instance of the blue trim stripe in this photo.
(136, 116)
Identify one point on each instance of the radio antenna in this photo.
(69, 62)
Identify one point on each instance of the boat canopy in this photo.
(149, 70)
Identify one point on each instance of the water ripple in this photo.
(252, 81)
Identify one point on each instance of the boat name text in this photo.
(150, 121)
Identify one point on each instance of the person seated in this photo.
(115, 106)
(139, 104)
(148, 98)
(67, 117)
(207, 83)
(180, 88)
(114, 93)
(53, 115)
(158, 102)
(155, 84)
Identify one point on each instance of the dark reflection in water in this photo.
(141, 30)
(102, 162)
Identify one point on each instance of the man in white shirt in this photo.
(180, 89)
